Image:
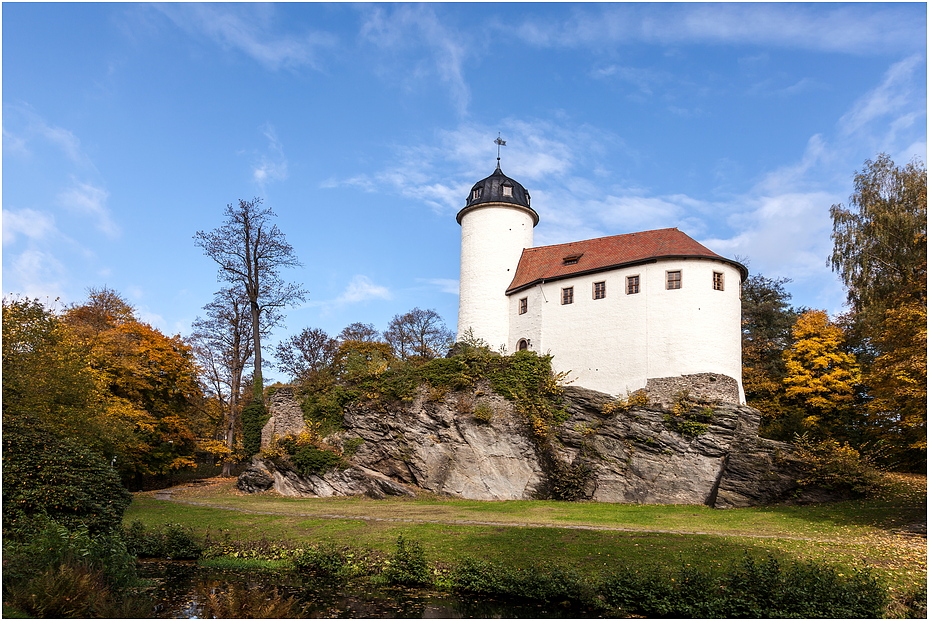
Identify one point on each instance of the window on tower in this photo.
(508, 190)
(674, 279)
(523, 305)
(567, 295)
(476, 193)
(718, 283)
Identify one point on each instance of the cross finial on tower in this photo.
(500, 143)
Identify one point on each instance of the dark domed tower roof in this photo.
(498, 188)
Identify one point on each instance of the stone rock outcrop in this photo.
(286, 416)
(438, 443)
(352, 481)
(635, 457)
(254, 480)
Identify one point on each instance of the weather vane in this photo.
(500, 143)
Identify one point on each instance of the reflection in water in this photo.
(178, 582)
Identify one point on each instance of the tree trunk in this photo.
(257, 380)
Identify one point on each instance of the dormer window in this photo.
(508, 190)
(475, 193)
(572, 259)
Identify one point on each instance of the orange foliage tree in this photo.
(150, 380)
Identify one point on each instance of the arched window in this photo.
(522, 345)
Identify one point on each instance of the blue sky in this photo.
(129, 127)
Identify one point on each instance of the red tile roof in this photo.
(604, 253)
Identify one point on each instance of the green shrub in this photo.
(451, 373)
(568, 481)
(483, 413)
(835, 466)
(326, 560)
(170, 541)
(753, 589)
(52, 545)
(330, 561)
(311, 460)
(407, 565)
(544, 584)
(47, 476)
(325, 406)
(686, 425)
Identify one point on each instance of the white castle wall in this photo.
(617, 343)
(493, 236)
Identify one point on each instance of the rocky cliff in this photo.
(474, 444)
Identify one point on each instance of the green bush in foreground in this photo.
(171, 541)
(49, 476)
(407, 565)
(750, 589)
(70, 573)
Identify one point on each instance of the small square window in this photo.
(523, 305)
(632, 284)
(567, 295)
(507, 190)
(599, 290)
(674, 280)
(475, 193)
(718, 283)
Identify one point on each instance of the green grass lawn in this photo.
(851, 534)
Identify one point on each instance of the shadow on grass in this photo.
(899, 502)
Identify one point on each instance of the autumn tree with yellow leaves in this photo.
(820, 375)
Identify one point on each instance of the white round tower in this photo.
(496, 224)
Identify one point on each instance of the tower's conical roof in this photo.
(498, 188)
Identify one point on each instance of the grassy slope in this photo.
(851, 534)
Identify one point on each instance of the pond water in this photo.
(178, 583)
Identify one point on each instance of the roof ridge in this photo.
(584, 241)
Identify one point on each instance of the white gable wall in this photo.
(617, 343)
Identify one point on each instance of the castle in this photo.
(653, 310)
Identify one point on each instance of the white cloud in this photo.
(445, 285)
(272, 165)
(29, 223)
(87, 199)
(31, 127)
(402, 27)
(36, 274)
(359, 289)
(856, 29)
(440, 175)
(249, 30)
(784, 234)
(894, 95)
